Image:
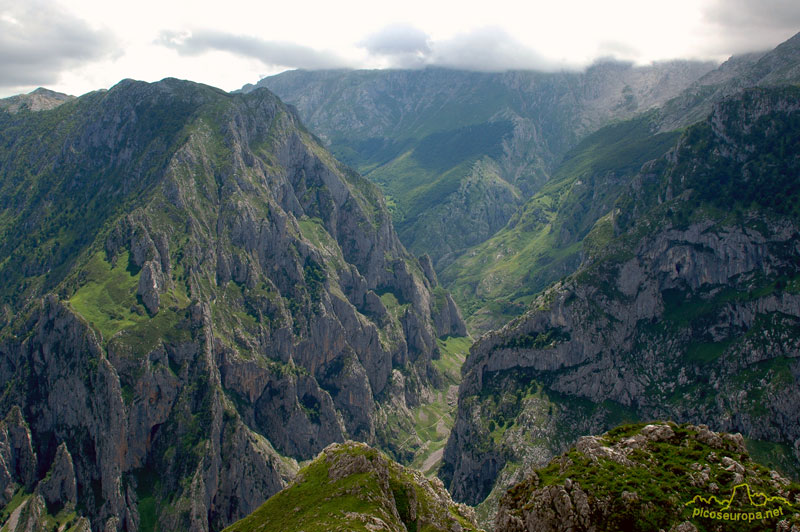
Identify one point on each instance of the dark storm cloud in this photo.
(487, 49)
(397, 39)
(751, 25)
(39, 40)
(274, 53)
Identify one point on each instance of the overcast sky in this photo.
(82, 45)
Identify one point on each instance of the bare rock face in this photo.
(246, 309)
(427, 268)
(18, 461)
(448, 320)
(58, 488)
(148, 286)
(557, 504)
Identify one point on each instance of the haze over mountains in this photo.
(461, 150)
(198, 296)
(450, 196)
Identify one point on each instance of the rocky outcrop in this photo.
(18, 463)
(380, 494)
(58, 488)
(448, 320)
(19, 475)
(704, 463)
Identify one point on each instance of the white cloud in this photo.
(88, 44)
(39, 41)
(750, 25)
(490, 49)
(271, 53)
(397, 39)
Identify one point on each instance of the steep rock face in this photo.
(780, 66)
(459, 151)
(17, 455)
(243, 296)
(686, 307)
(351, 487)
(59, 488)
(670, 471)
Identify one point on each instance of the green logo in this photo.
(750, 506)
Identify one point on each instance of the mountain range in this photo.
(202, 307)
(457, 152)
(461, 200)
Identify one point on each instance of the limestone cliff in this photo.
(198, 296)
(686, 307)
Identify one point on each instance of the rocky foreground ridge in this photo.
(658, 476)
(195, 296)
(687, 307)
(351, 486)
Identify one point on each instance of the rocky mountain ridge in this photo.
(351, 486)
(685, 308)
(493, 282)
(201, 296)
(780, 66)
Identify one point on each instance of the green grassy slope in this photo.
(495, 281)
(353, 487)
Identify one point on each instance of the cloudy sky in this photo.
(82, 45)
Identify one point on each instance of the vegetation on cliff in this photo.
(658, 476)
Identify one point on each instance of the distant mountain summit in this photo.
(195, 294)
(457, 152)
(40, 99)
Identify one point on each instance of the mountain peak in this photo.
(40, 99)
